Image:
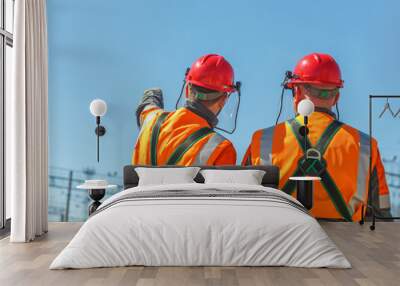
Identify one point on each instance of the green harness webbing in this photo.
(177, 155)
(317, 167)
(154, 138)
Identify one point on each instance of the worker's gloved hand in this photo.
(151, 96)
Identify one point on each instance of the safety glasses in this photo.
(321, 93)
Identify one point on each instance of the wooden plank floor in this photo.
(375, 257)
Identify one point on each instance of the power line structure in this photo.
(66, 202)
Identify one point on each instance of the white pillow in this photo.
(166, 176)
(248, 177)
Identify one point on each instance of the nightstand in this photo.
(96, 190)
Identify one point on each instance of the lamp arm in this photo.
(305, 138)
(98, 138)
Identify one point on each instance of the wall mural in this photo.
(134, 57)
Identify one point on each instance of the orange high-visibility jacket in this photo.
(210, 149)
(347, 159)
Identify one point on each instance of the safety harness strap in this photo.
(187, 144)
(295, 127)
(154, 137)
(327, 136)
(323, 141)
(327, 182)
(290, 185)
(334, 193)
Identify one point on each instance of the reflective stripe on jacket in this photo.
(212, 149)
(347, 158)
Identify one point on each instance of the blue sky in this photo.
(115, 49)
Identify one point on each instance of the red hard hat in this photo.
(213, 72)
(317, 69)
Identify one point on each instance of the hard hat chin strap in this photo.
(183, 87)
(288, 75)
(337, 111)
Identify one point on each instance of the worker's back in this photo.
(344, 188)
(181, 137)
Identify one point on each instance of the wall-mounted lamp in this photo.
(305, 183)
(98, 108)
(305, 108)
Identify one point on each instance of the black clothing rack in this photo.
(371, 207)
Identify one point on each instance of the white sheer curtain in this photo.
(26, 119)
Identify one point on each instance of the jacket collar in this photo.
(202, 111)
(326, 111)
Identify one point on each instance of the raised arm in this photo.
(152, 100)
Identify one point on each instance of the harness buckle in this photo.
(313, 153)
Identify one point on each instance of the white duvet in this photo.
(185, 231)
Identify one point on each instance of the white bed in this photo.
(138, 227)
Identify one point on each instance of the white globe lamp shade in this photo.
(98, 107)
(305, 107)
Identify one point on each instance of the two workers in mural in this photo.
(340, 156)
